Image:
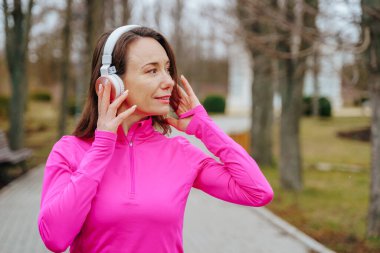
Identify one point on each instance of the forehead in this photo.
(145, 50)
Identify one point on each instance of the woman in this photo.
(119, 184)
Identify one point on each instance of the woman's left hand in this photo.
(187, 102)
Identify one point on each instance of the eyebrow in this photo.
(155, 63)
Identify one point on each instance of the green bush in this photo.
(4, 106)
(41, 96)
(324, 109)
(72, 107)
(214, 104)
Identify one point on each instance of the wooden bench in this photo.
(13, 156)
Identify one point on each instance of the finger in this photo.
(182, 91)
(105, 98)
(117, 102)
(173, 122)
(100, 95)
(193, 99)
(122, 116)
(187, 86)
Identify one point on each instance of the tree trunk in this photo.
(292, 94)
(262, 111)
(177, 14)
(65, 71)
(17, 26)
(94, 24)
(109, 14)
(291, 99)
(371, 21)
(263, 79)
(316, 92)
(374, 206)
(94, 28)
(127, 11)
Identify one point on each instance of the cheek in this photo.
(141, 97)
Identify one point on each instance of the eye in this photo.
(152, 71)
(168, 69)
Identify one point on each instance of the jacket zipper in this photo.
(132, 167)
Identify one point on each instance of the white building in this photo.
(240, 77)
(239, 98)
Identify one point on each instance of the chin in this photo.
(162, 112)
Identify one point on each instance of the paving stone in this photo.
(210, 225)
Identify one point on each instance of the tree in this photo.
(17, 25)
(94, 27)
(315, 71)
(282, 31)
(248, 13)
(302, 14)
(126, 7)
(65, 73)
(177, 36)
(117, 13)
(371, 21)
(94, 24)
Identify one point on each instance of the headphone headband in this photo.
(109, 46)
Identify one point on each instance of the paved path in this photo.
(211, 225)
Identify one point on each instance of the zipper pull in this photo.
(130, 143)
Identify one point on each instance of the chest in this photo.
(143, 182)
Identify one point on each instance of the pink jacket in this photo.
(127, 193)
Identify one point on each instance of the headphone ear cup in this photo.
(106, 80)
(117, 84)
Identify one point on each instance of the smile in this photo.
(164, 99)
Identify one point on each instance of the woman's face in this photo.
(147, 77)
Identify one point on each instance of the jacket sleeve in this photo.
(237, 177)
(67, 194)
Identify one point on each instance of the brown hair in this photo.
(88, 121)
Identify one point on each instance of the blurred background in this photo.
(304, 76)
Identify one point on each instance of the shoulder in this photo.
(71, 143)
(69, 146)
(179, 141)
(191, 151)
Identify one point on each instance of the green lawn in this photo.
(333, 205)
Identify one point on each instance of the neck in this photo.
(131, 119)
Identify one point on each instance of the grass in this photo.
(321, 144)
(332, 208)
(333, 205)
(40, 130)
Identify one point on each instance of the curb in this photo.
(309, 242)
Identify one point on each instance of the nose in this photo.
(167, 81)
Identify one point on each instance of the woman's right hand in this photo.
(107, 119)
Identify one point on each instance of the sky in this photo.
(192, 16)
(338, 15)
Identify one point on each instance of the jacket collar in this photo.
(140, 130)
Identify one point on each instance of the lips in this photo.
(163, 97)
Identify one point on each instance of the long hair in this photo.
(88, 121)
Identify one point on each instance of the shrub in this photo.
(214, 104)
(4, 106)
(40, 96)
(324, 109)
(72, 107)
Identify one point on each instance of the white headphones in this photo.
(108, 72)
